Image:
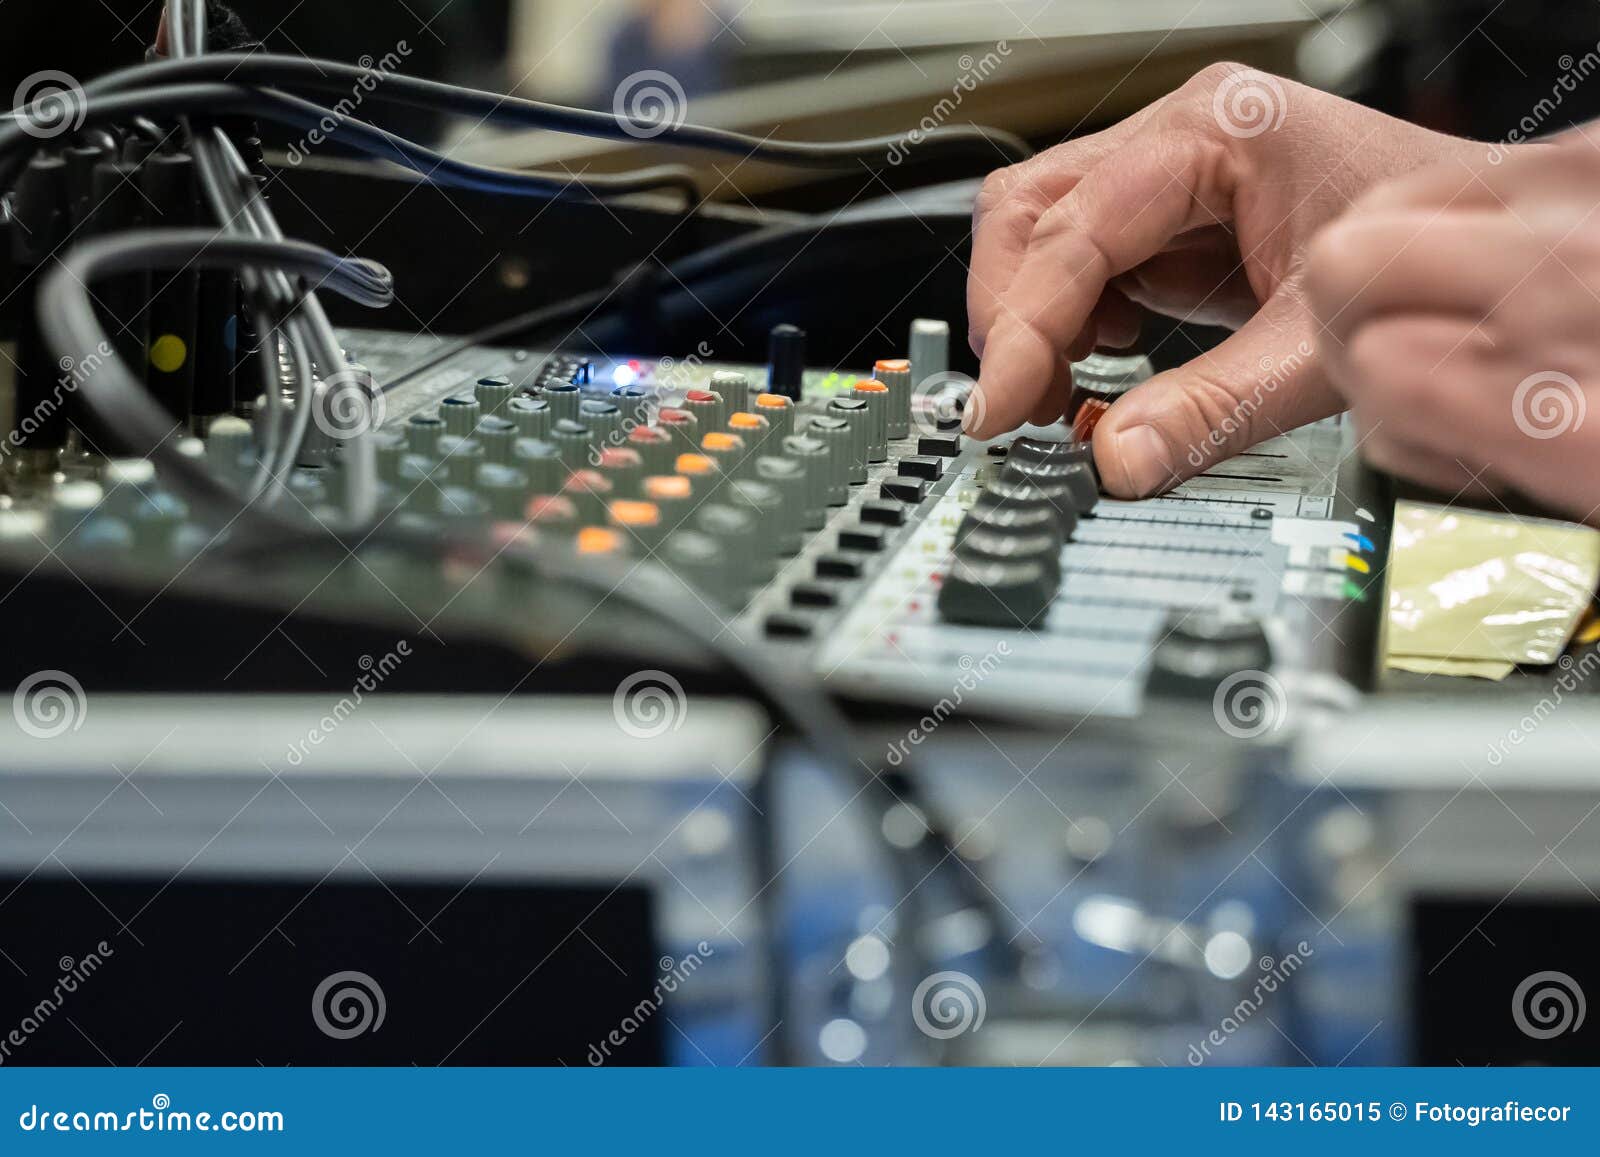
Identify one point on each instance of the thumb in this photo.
(1262, 381)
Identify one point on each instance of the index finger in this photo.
(1118, 215)
(1011, 203)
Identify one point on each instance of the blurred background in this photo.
(848, 67)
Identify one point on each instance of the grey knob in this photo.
(564, 399)
(876, 395)
(572, 440)
(624, 468)
(896, 374)
(708, 407)
(930, 349)
(734, 530)
(683, 427)
(814, 458)
(835, 433)
(778, 411)
(604, 421)
(532, 416)
(493, 394)
(854, 412)
(498, 436)
(654, 447)
(423, 434)
(504, 488)
(460, 413)
(542, 464)
(734, 388)
(787, 477)
(766, 504)
(698, 560)
(634, 404)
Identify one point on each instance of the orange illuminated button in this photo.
(628, 513)
(871, 386)
(695, 465)
(779, 411)
(891, 366)
(668, 488)
(672, 495)
(721, 442)
(639, 521)
(744, 420)
(599, 540)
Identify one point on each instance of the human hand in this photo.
(1200, 206)
(1460, 306)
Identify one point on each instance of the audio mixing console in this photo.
(839, 518)
(890, 565)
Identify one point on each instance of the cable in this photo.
(68, 321)
(332, 76)
(362, 137)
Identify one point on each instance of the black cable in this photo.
(360, 136)
(394, 88)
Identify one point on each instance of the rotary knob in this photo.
(493, 394)
(532, 416)
(786, 361)
(460, 413)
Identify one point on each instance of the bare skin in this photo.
(1197, 208)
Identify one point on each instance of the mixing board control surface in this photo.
(875, 581)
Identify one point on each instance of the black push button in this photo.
(940, 445)
(904, 489)
(864, 537)
(839, 566)
(883, 513)
(814, 595)
(785, 626)
(921, 466)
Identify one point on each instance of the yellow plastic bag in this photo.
(1473, 593)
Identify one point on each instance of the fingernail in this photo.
(1142, 456)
